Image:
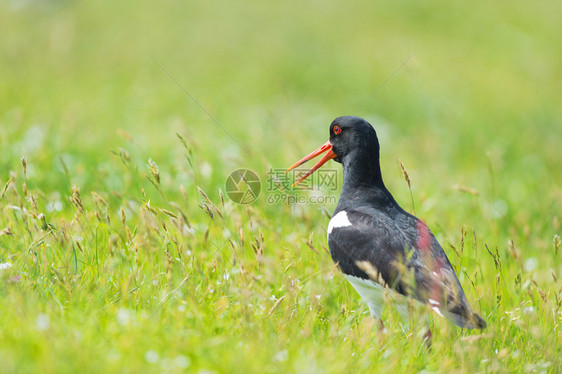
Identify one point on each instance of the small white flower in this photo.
(281, 356)
(125, 316)
(42, 322)
(151, 357)
(167, 364)
(5, 265)
(54, 206)
(113, 355)
(206, 170)
(182, 361)
(530, 264)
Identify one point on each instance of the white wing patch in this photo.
(339, 220)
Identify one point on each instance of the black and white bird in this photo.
(377, 244)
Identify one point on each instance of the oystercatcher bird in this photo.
(377, 244)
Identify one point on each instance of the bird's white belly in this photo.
(375, 296)
(371, 292)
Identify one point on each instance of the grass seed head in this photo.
(250, 221)
(76, 200)
(556, 243)
(24, 164)
(122, 215)
(513, 251)
(41, 217)
(6, 186)
(24, 186)
(407, 179)
(405, 173)
(154, 170)
(465, 189)
(208, 206)
(123, 155)
(222, 197)
(6, 231)
(98, 199)
(183, 191)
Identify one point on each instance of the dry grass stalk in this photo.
(207, 210)
(241, 237)
(257, 246)
(6, 186)
(189, 153)
(168, 266)
(207, 205)
(123, 216)
(221, 195)
(541, 293)
(24, 186)
(6, 231)
(183, 191)
(371, 271)
(123, 156)
(407, 179)
(513, 251)
(249, 216)
(100, 206)
(76, 200)
(309, 243)
(275, 305)
(24, 164)
(405, 173)
(98, 200)
(168, 213)
(154, 170)
(465, 189)
(455, 250)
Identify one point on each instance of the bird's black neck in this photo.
(362, 178)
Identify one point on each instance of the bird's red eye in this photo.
(337, 130)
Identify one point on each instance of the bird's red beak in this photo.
(328, 156)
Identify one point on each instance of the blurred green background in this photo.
(253, 84)
(482, 80)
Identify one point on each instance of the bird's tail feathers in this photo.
(467, 320)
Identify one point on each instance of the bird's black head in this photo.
(351, 135)
(354, 143)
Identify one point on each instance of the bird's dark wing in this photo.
(404, 255)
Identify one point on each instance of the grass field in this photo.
(120, 123)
